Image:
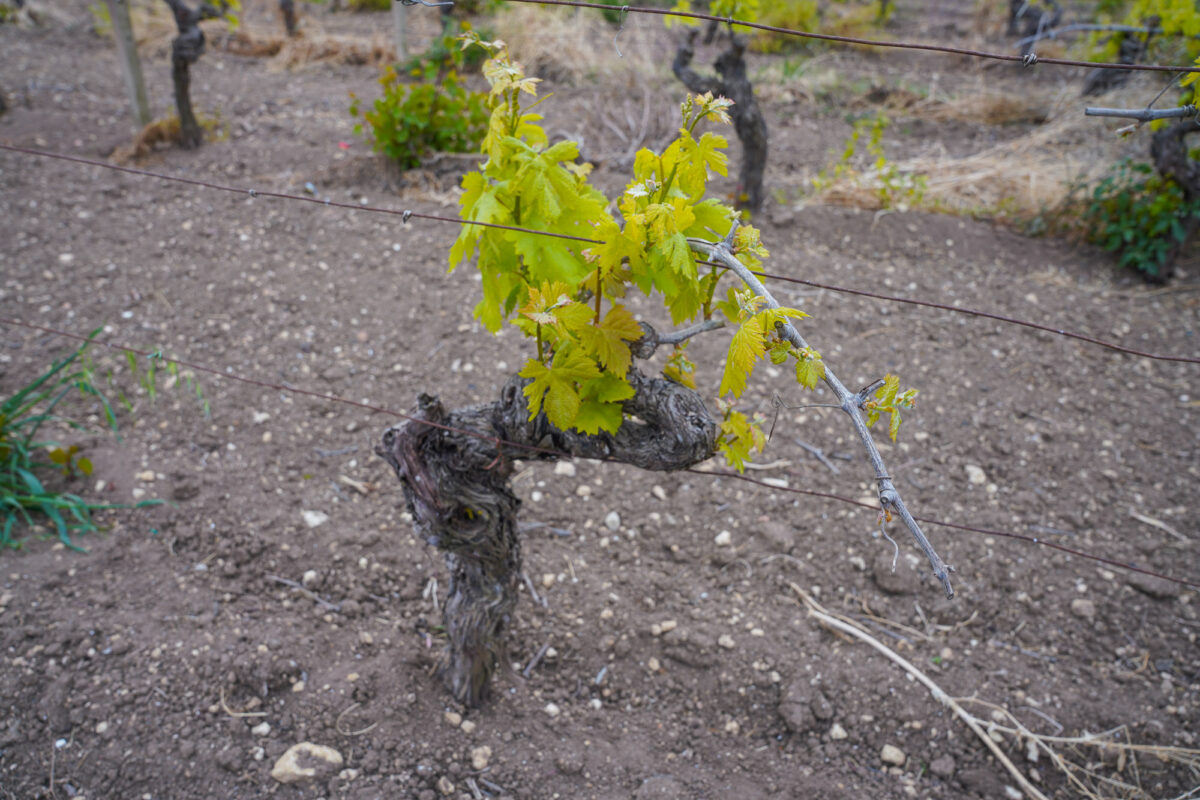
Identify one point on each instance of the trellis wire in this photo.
(284, 387)
(829, 37)
(405, 215)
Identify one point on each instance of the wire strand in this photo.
(406, 214)
(283, 387)
(829, 37)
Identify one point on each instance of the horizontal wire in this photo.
(956, 526)
(500, 443)
(552, 234)
(971, 312)
(829, 37)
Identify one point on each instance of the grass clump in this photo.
(33, 469)
(1140, 216)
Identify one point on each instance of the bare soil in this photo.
(171, 660)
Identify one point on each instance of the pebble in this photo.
(315, 757)
(1084, 609)
(596, 704)
(548, 580)
(445, 786)
(723, 539)
(976, 475)
(726, 641)
(467, 726)
(552, 709)
(612, 521)
(261, 729)
(101, 728)
(146, 475)
(943, 767)
(310, 577)
(480, 756)
(732, 727)
(565, 468)
(453, 718)
(536, 496)
(314, 518)
(890, 754)
(583, 490)
(837, 732)
(1151, 586)
(659, 492)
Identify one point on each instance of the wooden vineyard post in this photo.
(400, 29)
(131, 67)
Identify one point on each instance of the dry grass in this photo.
(1017, 179)
(159, 133)
(573, 45)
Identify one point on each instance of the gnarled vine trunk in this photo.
(455, 466)
(186, 49)
(748, 120)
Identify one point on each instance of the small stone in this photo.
(318, 760)
(480, 756)
(365, 638)
(837, 732)
(261, 729)
(548, 580)
(467, 726)
(445, 786)
(101, 728)
(667, 625)
(146, 476)
(890, 754)
(726, 641)
(536, 496)
(1012, 792)
(612, 521)
(732, 727)
(310, 577)
(723, 539)
(565, 468)
(1151, 586)
(904, 580)
(314, 518)
(583, 490)
(452, 718)
(859, 563)
(552, 710)
(659, 492)
(596, 704)
(943, 767)
(976, 475)
(653, 664)
(1084, 609)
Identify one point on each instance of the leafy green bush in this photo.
(27, 464)
(1141, 216)
(436, 114)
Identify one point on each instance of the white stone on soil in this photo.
(612, 521)
(314, 518)
(288, 770)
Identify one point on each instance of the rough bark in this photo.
(186, 49)
(1169, 152)
(1133, 48)
(748, 120)
(288, 9)
(455, 473)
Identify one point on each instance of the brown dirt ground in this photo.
(129, 671)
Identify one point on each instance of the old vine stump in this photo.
(455, 466)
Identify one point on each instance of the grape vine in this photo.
(566, 295)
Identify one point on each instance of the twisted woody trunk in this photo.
(455, 469)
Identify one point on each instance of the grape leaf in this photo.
(607, 340)
(553, 388)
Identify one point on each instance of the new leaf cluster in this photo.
(566, 294)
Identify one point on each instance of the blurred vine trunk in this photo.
(748, 120)
(455, 468)
(186, 49)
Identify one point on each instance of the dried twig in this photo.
(537, 659)
(337, 724)
(972, 722)
(818, 454)
(233, 713)
(304, 590)
(851, 403)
